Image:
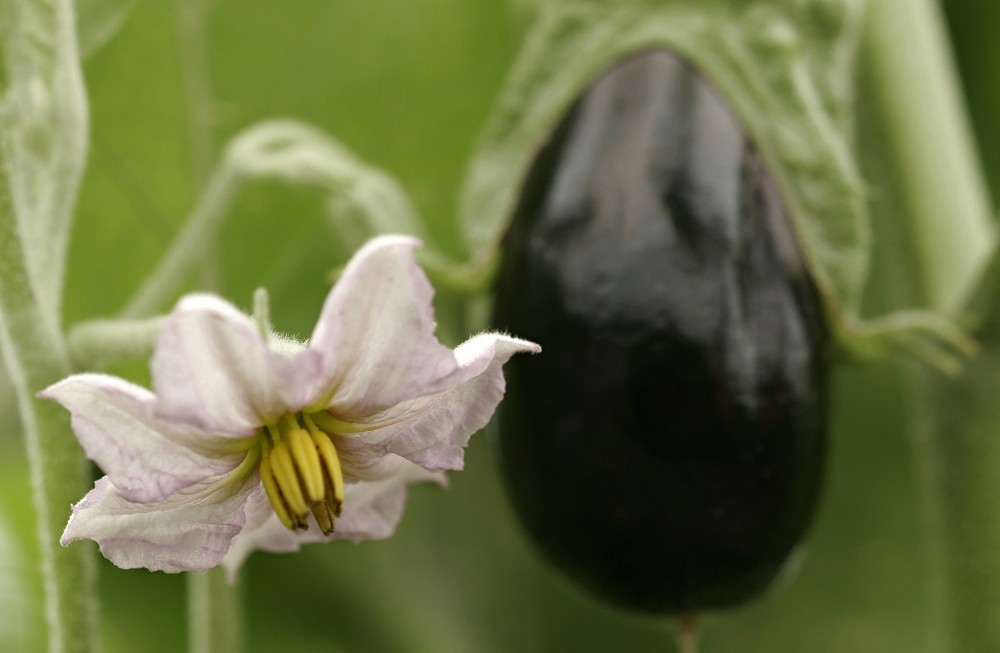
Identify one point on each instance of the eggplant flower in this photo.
(254, 441)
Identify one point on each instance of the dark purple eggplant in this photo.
(666, 449)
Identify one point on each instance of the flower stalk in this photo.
(945, 228)
(215, 613)
(917, 94)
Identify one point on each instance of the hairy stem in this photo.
(959, 437)
(215, 613)
(43, 147)
(923, 119)
(193, 243)
(35, 356)
(191, 25)
(197, 85)
(95, 344)
(944, 226)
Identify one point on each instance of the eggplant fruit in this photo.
(666, 449)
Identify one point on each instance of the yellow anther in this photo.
(274, 494)
(300, 470)
(321, 512)
(333, 476)
(288, 480)
(307, 462)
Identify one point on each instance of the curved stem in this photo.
(95, 344)
(43, 145)
(192, 244)
(197, 85)
(295, 153)
(468, 278)
(191, 27)
(35, 356)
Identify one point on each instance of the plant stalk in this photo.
(944, 227)
(215, 613)
(43, 145)
(35, 356)
(922, 116)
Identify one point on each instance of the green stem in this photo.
(945, 227)
(193, 243)
(191, 28)
(215, 613)
(35, 356)
(43, 146)
(470, 278)
(687, 634)
(917, 93)
(959, 440)
(95, 344)
(197, 85)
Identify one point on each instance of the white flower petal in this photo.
(371, 512)
(375, 335)
(212, 369)
(145, 457)
(433, 431)
(362, 461)
(176, 497)
(190, 531)
(263, 531)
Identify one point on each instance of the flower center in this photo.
(301, 472)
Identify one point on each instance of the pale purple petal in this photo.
(190, 531)
(212, 369)
(371, 512)
(145, 457)
(362, 461)
(433, 431)
(263, 531)
(375, 335)
(176, 497)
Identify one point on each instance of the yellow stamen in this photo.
(321, 512)
(331, 465)
(301, 473)
(274, 494)
(307, 462)
(288, 480)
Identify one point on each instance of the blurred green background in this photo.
(407, 86)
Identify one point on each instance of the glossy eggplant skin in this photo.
(666, 448)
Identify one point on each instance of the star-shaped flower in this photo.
(252, 441)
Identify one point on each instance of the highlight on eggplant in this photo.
(666, 452)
